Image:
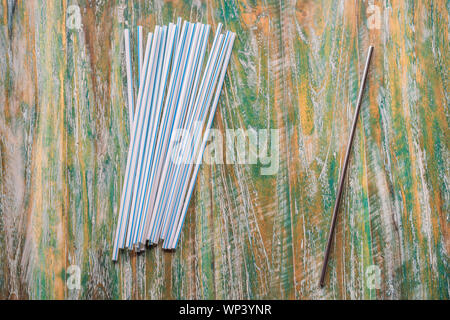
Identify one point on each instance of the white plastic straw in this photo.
(126, 34)
(143, 161)
(151, 134)
(202, 47)
(157, 187)
(142, 130)
(161, 194)
(201, 90)
(123, 214)
(200, 103)
(193, 37)
(169, 111)
(190, 90)
(179, 21)
(174, 240)
(169, 52)
(140, 57)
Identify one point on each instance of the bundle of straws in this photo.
(177, 91)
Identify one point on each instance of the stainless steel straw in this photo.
(344, 170)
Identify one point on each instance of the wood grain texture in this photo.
(296, 67)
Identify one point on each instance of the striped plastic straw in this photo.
(169, 126)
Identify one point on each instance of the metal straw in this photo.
(344, 170)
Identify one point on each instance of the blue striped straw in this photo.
(212, 112)
(191, 87)
(160, 174)
(154, 58)
(184, 77)
(160, 148)
(193, 40)
(123, 214)
(198, 70)
(176, 168)
(186, 149)
(182, 103)
(206, 76)
(135, 143)
(147, 132)
(166, 67)
(179, 20)
(202, 87)
(154, 122)
(169, 111)
(126, 34)
(140, 57)
(168, 56)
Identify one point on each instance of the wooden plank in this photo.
(296, 68)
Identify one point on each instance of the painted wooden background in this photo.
(295, 67)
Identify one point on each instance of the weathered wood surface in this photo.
(296, 67)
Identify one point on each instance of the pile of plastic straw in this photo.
(170, 118)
